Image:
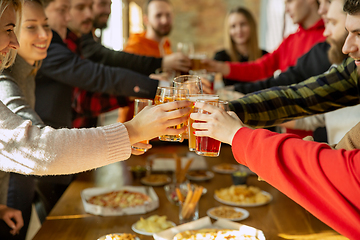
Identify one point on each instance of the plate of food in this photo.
(199, 175)
(242, 196)
(229, 213)
(120, 199)
(213, 233)
(155, 180)
(225, 168)
(151, 225)
(119, 236)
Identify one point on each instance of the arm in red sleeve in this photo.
(324, 181)
(261, 68)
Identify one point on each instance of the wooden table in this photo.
(68, 220)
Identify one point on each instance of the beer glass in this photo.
(203, 74)
(207, 146)
(196, 63)
(139, 105)
(193, 98)
(171, 94)
(191, 82)
(187, 48)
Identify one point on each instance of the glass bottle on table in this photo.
(140, 104)
(171, 94)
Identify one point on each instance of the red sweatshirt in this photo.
(324, 181)
(286, 55)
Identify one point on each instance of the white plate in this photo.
(103, 237)
(245, 204)
(209, 175)
(225, 171)
(243, 211)
(133, 227)
(154, 184)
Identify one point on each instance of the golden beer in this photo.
(170, 94)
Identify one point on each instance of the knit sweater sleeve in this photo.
(310, 173)
(13, 98)
(27, 149)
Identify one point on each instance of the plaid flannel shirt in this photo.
(323, 93)
(89, 105)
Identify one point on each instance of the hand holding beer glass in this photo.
(219, 124)
(171, 94)
(193, 98)
(205, 145)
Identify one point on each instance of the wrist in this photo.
(164, 63)
(133, 133)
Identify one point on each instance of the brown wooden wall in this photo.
(202, 21)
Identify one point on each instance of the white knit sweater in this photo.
(27, 149)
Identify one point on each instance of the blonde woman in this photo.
(241, 39)
(41, 150)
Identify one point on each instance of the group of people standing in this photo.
(62, 77)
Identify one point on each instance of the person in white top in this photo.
(27, 149)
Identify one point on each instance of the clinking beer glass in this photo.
(193, 84)
(207, 146)
(171, 94)
(193, 98)
(139, 105)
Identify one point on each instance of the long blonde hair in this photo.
(252, 44)
(17, 4)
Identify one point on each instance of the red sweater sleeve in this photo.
(261, 68)
(324, 181)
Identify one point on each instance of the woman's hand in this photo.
(154, 121)
(216, 66)
(12, 217)
(219, 124)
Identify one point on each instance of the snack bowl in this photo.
(170, 191)
(239, 177)
(137, 171)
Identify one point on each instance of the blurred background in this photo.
(200, 22)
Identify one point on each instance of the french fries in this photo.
(180, 173)
(191, 200)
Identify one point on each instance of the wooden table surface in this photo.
(68, 220)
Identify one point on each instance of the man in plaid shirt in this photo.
(323, 93)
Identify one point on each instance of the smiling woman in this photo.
(10, 16)
(29, 147)
(35, 34)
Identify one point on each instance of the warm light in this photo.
(135, 18)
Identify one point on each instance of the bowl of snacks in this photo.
(138, 171)
(153, 224)
(239, 177)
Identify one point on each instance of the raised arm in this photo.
(312, 63)
(323, 93)
(66, 67)
(96, 52)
